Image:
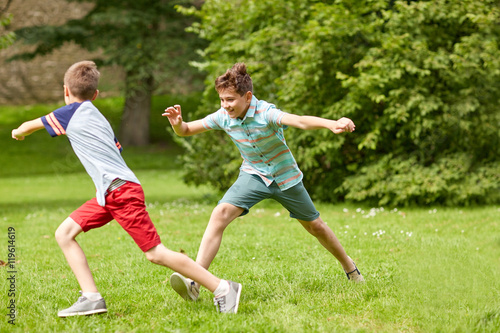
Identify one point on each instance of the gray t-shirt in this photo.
(93, 141)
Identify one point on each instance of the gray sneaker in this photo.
(229, 303)
(186, 288)
(355, 275)
(84, 307)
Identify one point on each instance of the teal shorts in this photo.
(248, 190)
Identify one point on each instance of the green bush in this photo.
(452, 180)
(419, 79)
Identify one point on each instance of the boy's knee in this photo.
(315, 227)
(226, 212)
(60, 235)
(153, 255)
(68, 230)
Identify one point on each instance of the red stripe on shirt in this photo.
(281, 153)
(289, 179)
(54, 123)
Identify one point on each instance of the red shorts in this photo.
(126, 206)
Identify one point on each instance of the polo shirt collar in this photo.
(251, 109)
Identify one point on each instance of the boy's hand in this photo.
(344, 125)
(174, 115)
(16, 136)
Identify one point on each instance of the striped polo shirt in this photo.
(260, 140)
(93, 141)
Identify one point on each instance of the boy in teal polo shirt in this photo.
(269, 169)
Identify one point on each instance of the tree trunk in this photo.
(134, 128)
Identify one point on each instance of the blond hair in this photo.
(235, 78)
(82, 79)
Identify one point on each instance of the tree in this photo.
(433, 85)
(419, 78)
(146, 38)
(6, 38)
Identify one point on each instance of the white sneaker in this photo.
(84, 307)
(186, 288)
(229, 303)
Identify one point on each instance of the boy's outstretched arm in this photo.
(27, 128)
(181, 128)
(311, 122)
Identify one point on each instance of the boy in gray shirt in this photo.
(119, 195)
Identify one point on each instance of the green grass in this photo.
(427, 269)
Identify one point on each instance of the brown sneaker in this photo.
(355, 275)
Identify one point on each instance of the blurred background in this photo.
(421, 80)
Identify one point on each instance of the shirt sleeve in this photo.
(118, 145)
(212, 121)
(274, 116)
(57, 121)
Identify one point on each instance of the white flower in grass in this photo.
(277, 214)
(345, 210)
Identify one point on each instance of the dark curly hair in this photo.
(235, 78)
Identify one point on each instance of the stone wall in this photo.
(41, 80)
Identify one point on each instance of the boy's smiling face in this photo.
(234, 104)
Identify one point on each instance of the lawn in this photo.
(427, 269)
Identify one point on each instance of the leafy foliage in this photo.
(145, 38)
(419, 79)
(6, 38)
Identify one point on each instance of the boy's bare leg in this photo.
(327, 238)
(184, 265)
(221, 216)
(65, 236)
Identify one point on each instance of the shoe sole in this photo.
(179, 284)
(238, 294)
(83, 313)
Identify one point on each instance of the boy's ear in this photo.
(95, 94)
(66, 91)
(248, 96)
